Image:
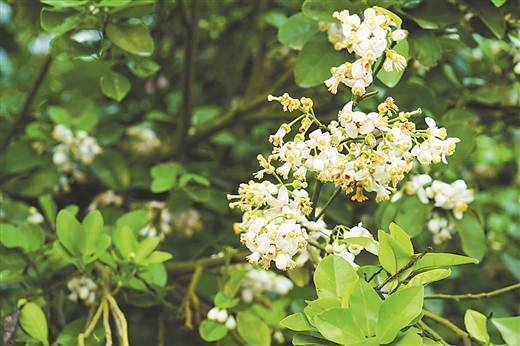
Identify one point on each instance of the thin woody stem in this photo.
(400, 271)
(334, 195)
(466, 340)
(474, 296)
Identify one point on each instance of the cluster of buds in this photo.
(108, 197)
(163, 222)
(222, 316)
(453, 197)
(71, 152)
(143, 140)
(369, 39)
(257, 282)
(82, 288)
(34, 216)
(341, 246)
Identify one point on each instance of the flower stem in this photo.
(334, 195)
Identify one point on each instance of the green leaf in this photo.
(92, 230)
(198, 193)
(252, 329)
(199, 179)
(402, 237)
(409, 338)
(392, 78)
(64, 3)
(135, 220)
(112, 3)
(59, 20)
(69, 231)
(323, 10)
(397, 311)
(490, 15)
(435, 14)
(12, 265)
(39, 182)
(509, 328)
(143, 69)
(397, 20)
(19, 158)
(69, 334)
(412, 215)
(370, 244)
(62, 251)
(310, 338)
(317, 306)
(146, 248)
(364, 303)
(498, 3)
(476, 325)
(59, 115)
(428, 277)
(135, 39)
(425, 47)
(386, 253)
(154, 274)
(164, 177)
(332, 276)
(111, 168)
(232, 286)
(315, 61)
(471, 235)
(33, 321)
(432, 260)
(158, 257)
(465, 147)
(114, 85)
(275, 18)
(126, 243)
(49, 208)
(297, 30)
(297, 322)
(300, 276)
(338, 325)
(211, 330)
(222, 301)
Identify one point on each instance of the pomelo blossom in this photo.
(82, 288)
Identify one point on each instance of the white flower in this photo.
(213, 313)
(372, 25)
(231, 323)
(398, 35)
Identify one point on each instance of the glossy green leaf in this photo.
(405, 304)
(319, 305)
(62, 251)
(315, 60)
(476, 325)
(112, 169)
(64, 3)
(135, 9)
(275, 18)
(112, 3)
(425, 47)
(412, 215)
(252, 329)
(332, 276)
(297, 322)
(464, 148)
(490, 15)
(69, 231)
(199, 179)
(222, 301)
(69, 334)
(126, 243)
(409, 338)
(323, 10)
(402, 237)
(33, 321)
(428, 277)
(135, 220)
(297, 30)
(19, 158)
(386, 253)
(49, 208)
(135, 39)
(370, 244)
(232, 286)
(59, 115)
(198, 193)
(92, 229)
(310, 338)
(392, 78)
(395, 18)
(164, 177)
(498, 3)
(212, 330)
(509, 328)
(114, 85)
(432, 260)
(39, 182)
(338, 325)
(146, 248)
(143, 69)
(364, 303)
(434, 14)
(157, 257)
(154, 274)
(59, 20)
(471, 235)
(12, 265)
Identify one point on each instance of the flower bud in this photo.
(222, 316)
(231, 323)
(213, 313)
(398, 35)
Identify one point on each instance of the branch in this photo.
(462, 334)
(473, 296)
(400, 271)
(190, 47)
(434, 335)
(191, 297)
(334, 195)
(179, 268)
(27, 104)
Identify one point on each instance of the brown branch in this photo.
(4, 141)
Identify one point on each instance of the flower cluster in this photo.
(163, 222)
(71, 152)
(369, 39)
(359, 152)
(453, 197)
(143, 140)
(222, 316)
(82, 288)
(108, 197)
(256, 282)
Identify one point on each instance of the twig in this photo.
(462, 334)
(91, 326)
(400, 271)
(106, 323)
(190, 294)
(334, 195)
(178, 268)
(27, 104)
(375, 274)
(473, 296)
(315, 197)
(434, 335)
